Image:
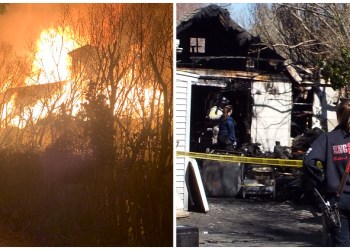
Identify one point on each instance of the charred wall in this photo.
(302, 111)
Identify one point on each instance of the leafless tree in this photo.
(304, 32)
(131, 50)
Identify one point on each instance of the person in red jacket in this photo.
(332, 149)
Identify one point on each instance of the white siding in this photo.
(182, 111)
(324, 107)
(271, 119)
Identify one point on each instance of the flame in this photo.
(51, 62)
(51, 67)
(8, 107)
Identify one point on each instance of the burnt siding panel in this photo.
(225, 44)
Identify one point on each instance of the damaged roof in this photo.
(206, 14)
(210, 38)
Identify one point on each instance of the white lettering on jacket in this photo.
(340, 149)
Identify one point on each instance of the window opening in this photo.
(197, 45)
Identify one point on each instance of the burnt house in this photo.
(233, 63)
(273, 99)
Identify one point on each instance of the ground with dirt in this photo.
(234, 222)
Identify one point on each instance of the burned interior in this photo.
(204, 97)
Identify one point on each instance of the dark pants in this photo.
(342, 238)
(225, 143)
(227, 147)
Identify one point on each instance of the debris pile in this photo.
(287, 181)
(302, 142)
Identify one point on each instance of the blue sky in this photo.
(238, 12)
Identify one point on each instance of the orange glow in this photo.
(52, 63)
(135, 99)
(51, 85)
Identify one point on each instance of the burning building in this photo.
(39, 98)
(61, 74)
(92, 119)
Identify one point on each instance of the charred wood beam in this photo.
(293, 73)
(199, 58)
(214, 82)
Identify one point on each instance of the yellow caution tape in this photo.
(243, 159)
